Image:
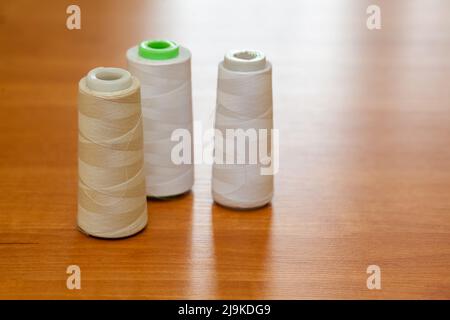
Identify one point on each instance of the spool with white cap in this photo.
(244, 102)
(164, 70)
(111, 185)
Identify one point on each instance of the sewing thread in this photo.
(244, 104)
(164, 70)
(111, 187)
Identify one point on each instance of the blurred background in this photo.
(364, 120)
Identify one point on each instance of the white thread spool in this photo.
(164, 70)
(244, 101)
(111, 188)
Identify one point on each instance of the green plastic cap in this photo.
(158, 49)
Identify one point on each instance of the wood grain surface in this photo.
(364, 120)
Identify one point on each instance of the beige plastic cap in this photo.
(108, 79)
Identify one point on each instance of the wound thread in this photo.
(244, 101)
(166, 96)
(111, 185)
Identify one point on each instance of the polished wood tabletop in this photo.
(364, 179)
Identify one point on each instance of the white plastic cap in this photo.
(244, 60)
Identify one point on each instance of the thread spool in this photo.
(111, 185)
(244, 101)
(164, 70)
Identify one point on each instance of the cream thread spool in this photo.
(244, 101)
(111, 185)
(164, 70)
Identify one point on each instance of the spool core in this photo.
(244, 60)
(108, 79)
(158, 49)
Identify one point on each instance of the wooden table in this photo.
(364, 120)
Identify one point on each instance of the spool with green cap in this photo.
(158, 49)
(164, 70)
